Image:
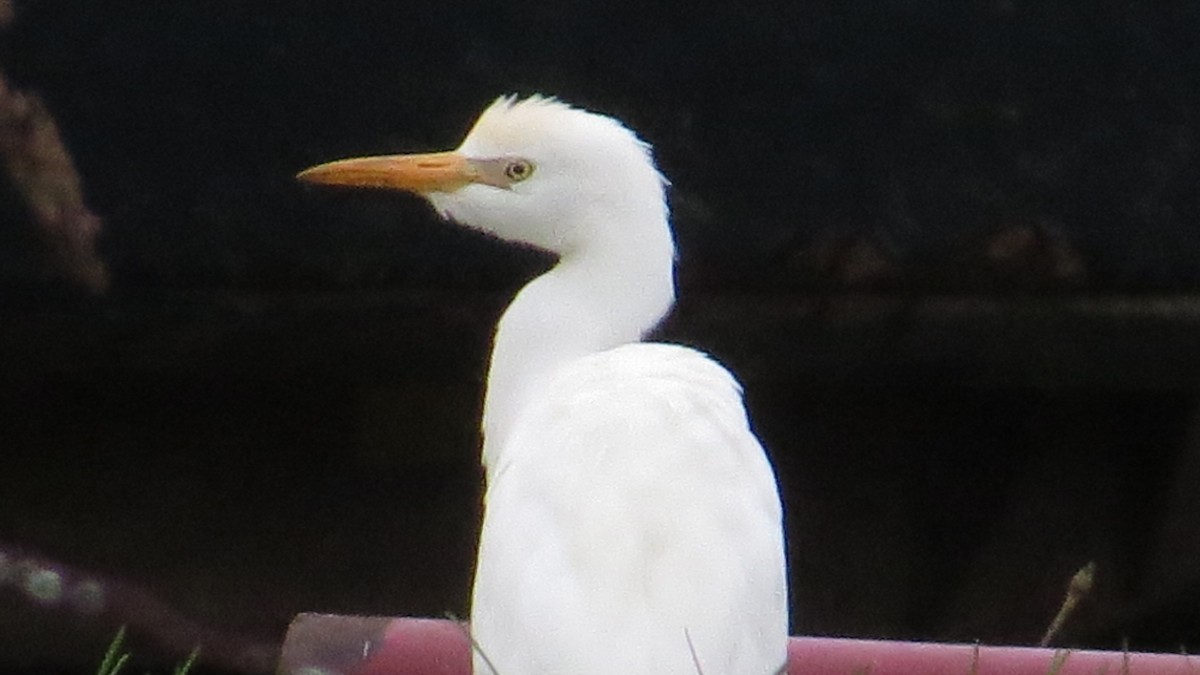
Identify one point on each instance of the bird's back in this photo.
(632, 526)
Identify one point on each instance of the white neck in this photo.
(608, 294)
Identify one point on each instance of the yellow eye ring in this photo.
(518, 170)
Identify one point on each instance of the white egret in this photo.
(632, 523)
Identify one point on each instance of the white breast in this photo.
(632, 510)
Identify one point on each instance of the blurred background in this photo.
(951, 247)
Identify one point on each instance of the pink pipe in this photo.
(403, 646)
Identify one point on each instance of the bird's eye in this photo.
(518, 170)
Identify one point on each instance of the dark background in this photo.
(950, 247)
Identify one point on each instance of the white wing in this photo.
(632, 511)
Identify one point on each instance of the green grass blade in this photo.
(183, 668)
(114, 659)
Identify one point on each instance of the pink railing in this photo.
(404, 646)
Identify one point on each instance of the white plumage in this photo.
(632, 522)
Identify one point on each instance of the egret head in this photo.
(535, 171)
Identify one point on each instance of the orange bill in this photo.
(422, 174)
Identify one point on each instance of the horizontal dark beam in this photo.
(857, 340)
(1122, 342)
